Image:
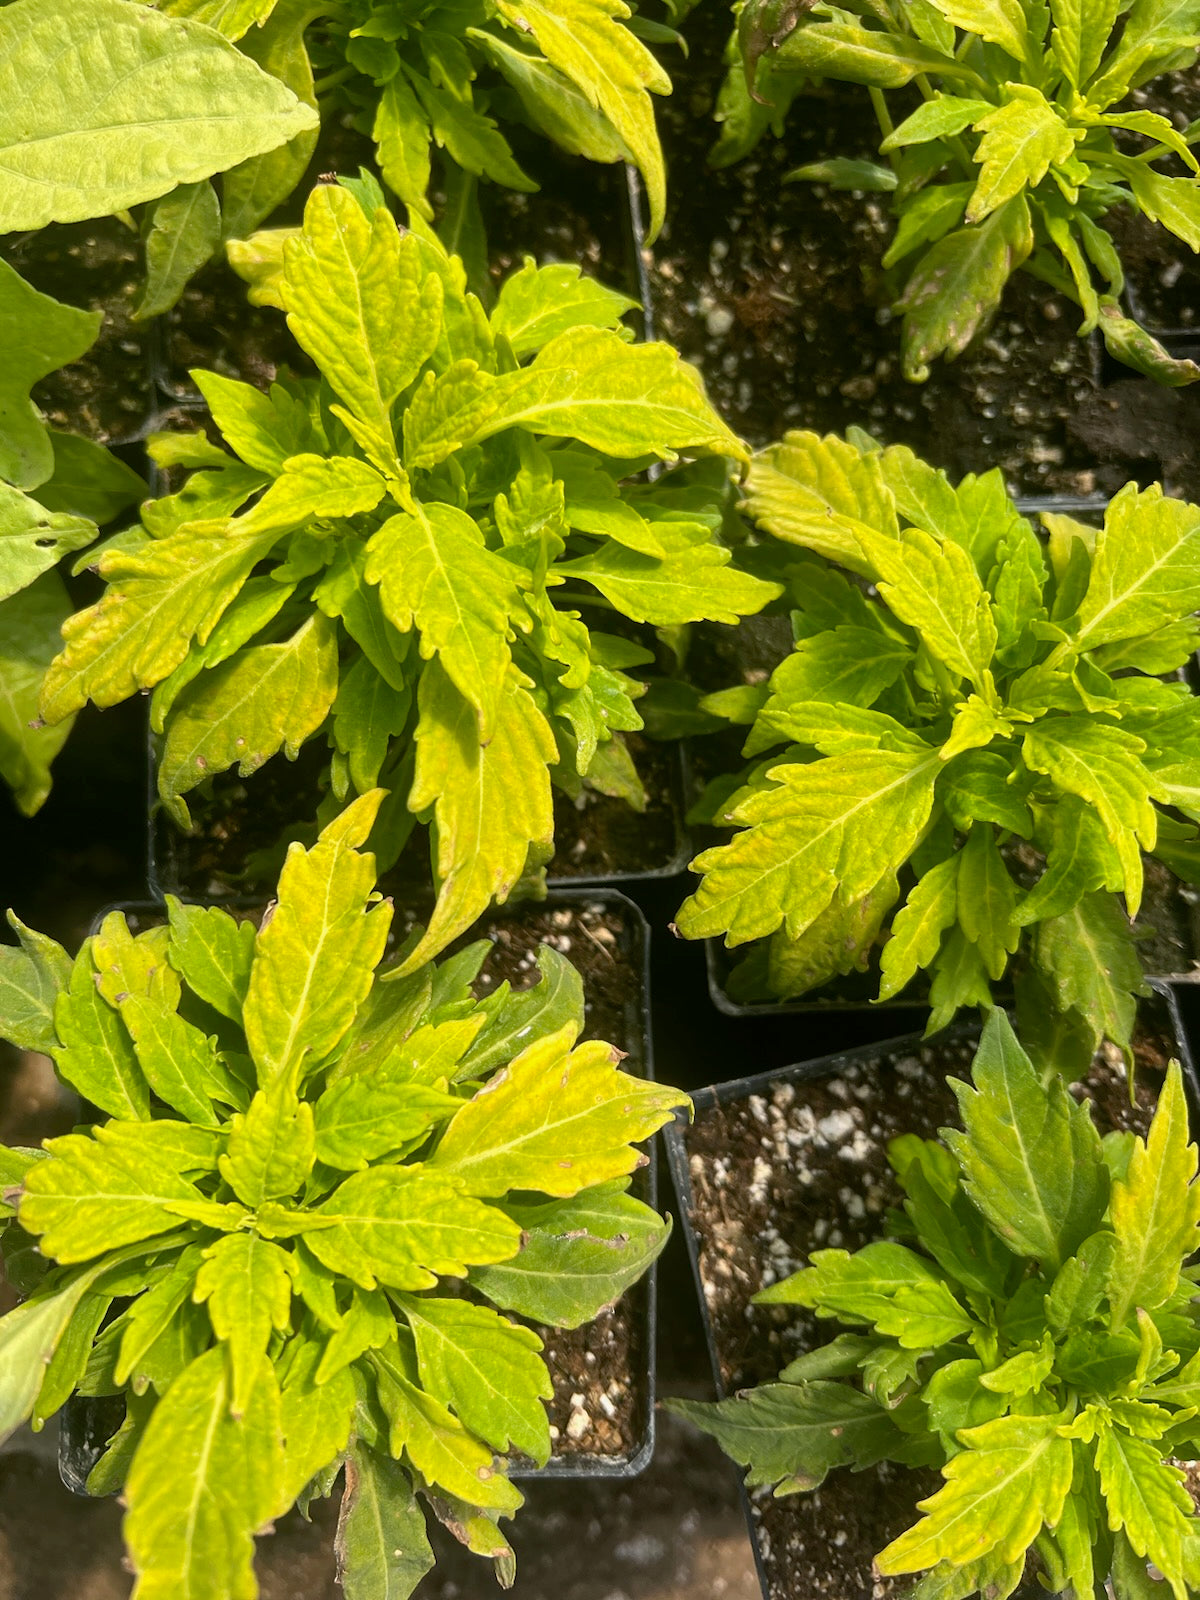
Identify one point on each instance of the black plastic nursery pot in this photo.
(1170, 955)
(604, 1372)
(782, 1163)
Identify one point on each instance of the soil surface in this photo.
(803, 1166)
(240, 828)
(108, 394)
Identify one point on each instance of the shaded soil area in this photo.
(108, 394)
(800, 1166)
(240, 829)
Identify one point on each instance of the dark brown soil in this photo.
(598, 836)
(241, 826)
(803, 1166)
(106, 395)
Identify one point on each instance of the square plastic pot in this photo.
(742, 1351)
(620, 1012)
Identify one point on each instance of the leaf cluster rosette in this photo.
(1029, 1327)
(284, 1242)
(977, 737)
(396, 577)
(1025, 139)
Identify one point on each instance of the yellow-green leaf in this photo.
(202, 1483)
(818, 492)
(213, 952)
(406, 1226)
(1148, 1498)
(1010, 1481)
(1101, 764)
(589, 43)
(555, 1120)
(382, 1549)
(29, 641)
(433, 569)
(38, 335)
(934, 586)
(271, 1146)
(1021, 139)
(315, 957)
(588, 383)
(96, 1054)
(1145, 569)
(101, 1191)
(160, 597)
(361, 305)
(843, 822)
(1155, 1209)
(489, 1371)
(265, 698)
(129, 104)
(490, 802)
(439, 1447)
(246, 1283)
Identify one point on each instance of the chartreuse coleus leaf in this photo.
(482, 843)
(259, 1271)
(263, 698)
(1018, 148)
(382, 1548)
(40, 335)
(427, 619)
(29, 640)
(33, 539)
(1051, 1401)
(202, 1483)
(1030, 1156)
(32, 976)
(958, 688)
(588, 42)
(579, 1255)
(556, 1120)
(1155, 1211)
(134, 103)
(315, 957)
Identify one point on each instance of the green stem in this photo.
(331, 80)
(886, 126)
(583, 597)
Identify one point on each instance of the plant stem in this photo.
(332, 79)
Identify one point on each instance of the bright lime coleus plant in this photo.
(1030, 1328)
(399, 580)
(280, 1241)
(971, 746)
(1020, 148)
